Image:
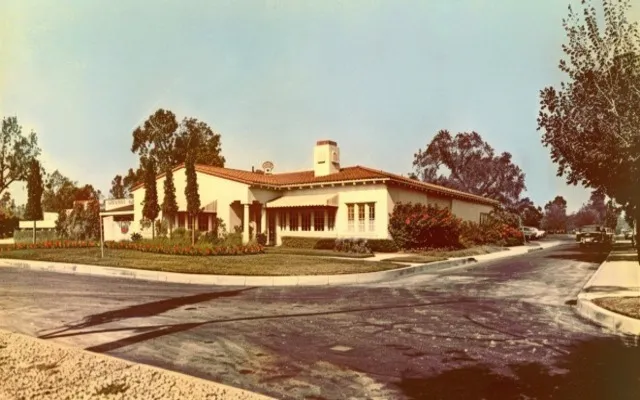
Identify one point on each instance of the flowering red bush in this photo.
(414, 226)
(51, 244)
(164, 248)
(494, 232)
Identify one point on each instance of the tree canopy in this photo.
(169, 203)
(16, 153)
(527, 210)
(168, 143)
(591, 122)
(466, 162)
(60, 192)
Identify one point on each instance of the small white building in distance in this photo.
(329, 200)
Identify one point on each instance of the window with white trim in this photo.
(293, 221)
(361, 217)
(351, 217)
(331, 219)
(318, 220)
(306, 221)
(372, 217)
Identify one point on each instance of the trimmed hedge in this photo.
(308, 243)
(26, 235)
(376, 245)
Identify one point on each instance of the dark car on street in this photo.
(595, 235)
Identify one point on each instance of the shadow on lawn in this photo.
(605, 368)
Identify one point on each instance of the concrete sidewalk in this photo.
(618, 276)
(238, 280)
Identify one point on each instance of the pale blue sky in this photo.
(379, 77)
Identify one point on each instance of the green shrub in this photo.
(424, 226)
(26, 235)
(382, 245)
(136, 237)
(349, 245)
(308, 243)
(261, 239)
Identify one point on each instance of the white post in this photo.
(101, 238)
(245, 223)
(263, 219)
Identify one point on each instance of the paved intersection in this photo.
(500, 329)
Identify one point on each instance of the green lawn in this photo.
(629, 306)
(437, 255)
(270, 263)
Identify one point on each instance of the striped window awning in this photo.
(309, 200)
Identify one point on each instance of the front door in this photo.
(271, 218)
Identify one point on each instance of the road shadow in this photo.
(143, 310)
(587, 255)
(605, 368)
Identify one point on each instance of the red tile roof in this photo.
(303, 178)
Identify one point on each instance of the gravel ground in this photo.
(35, 369)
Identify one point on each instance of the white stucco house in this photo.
(328, 200)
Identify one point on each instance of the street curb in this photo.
(617, 323)
(231, 280)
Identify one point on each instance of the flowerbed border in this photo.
(176, 250)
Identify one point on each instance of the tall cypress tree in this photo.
(192, 195)
(35, 188)
(169, 203)
(150, 209)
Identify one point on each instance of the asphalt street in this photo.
(504, 329)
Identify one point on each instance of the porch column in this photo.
(278, 230)
(313, 220)
(245, 224)
(209, 220)
(263, 219)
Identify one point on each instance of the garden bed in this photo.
(628, 306)
(264, 264)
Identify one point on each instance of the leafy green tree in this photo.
(169, 203)
(197, 138)
(591, 122)
(150, 207)
(470, 165)
(155, 139)
(192, 195)
(59, 193)
(117, 190)
(16, 152)
(35, 187)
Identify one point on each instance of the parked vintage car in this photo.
(531, 233)
(595, 235)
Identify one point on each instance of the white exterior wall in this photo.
(348, 194)
(210, 188)
(465, 210)
(112, 230)
(469, 211)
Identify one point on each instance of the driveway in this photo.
(501, 329)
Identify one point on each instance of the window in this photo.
(361, 214)
(372, 216)
(318, 220)
(484, 218)
(331, 219)
(305, 225)
(350, 216)
(293, 221)
(203, 222)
